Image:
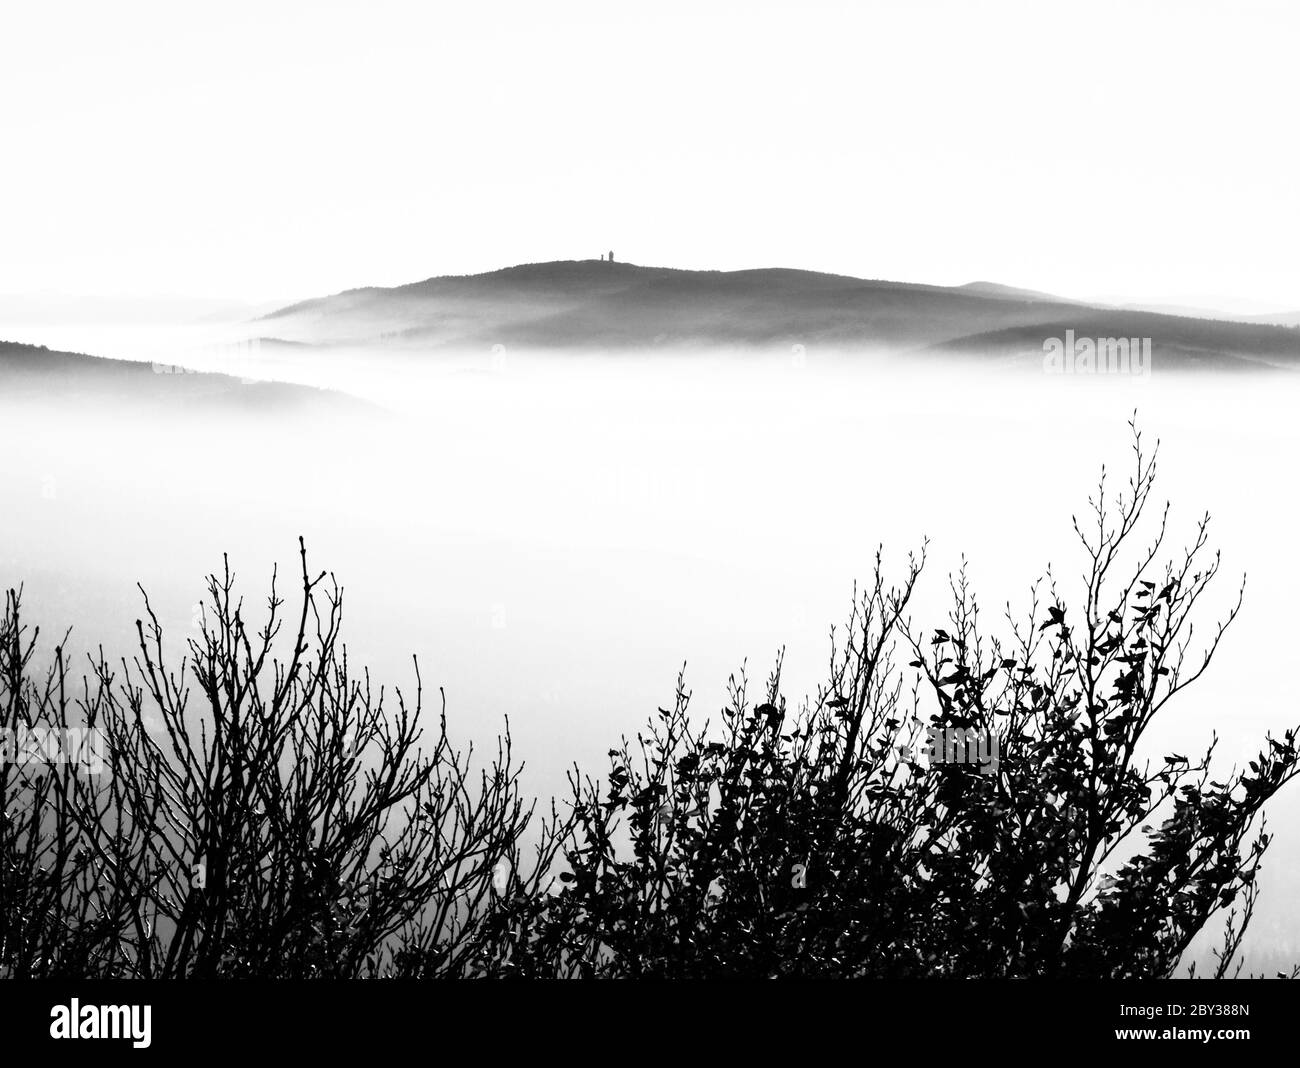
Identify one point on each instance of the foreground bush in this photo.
(828, 841)
(257, 815)
(983, 810)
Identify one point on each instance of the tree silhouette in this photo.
(819, 842)
(264, 811)
(259, 815)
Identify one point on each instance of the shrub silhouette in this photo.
(290, 825)
(265, 812)
(819, 842)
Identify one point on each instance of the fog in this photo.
(555, 536)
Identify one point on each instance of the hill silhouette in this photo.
(594, 305)
(34, 373)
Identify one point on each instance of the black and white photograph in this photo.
(710, 492)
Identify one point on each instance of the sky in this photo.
(276, 150)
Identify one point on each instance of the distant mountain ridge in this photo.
(34, 373)
(997, 289)
(596, 305)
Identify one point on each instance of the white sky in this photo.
(1133, 150)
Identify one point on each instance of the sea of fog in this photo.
(556, 536)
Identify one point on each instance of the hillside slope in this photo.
(33, 373)
(586, 305)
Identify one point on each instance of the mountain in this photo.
(33, 373)
(1291, 319)
(1177, 342)
(594, 305)
(996, 289)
